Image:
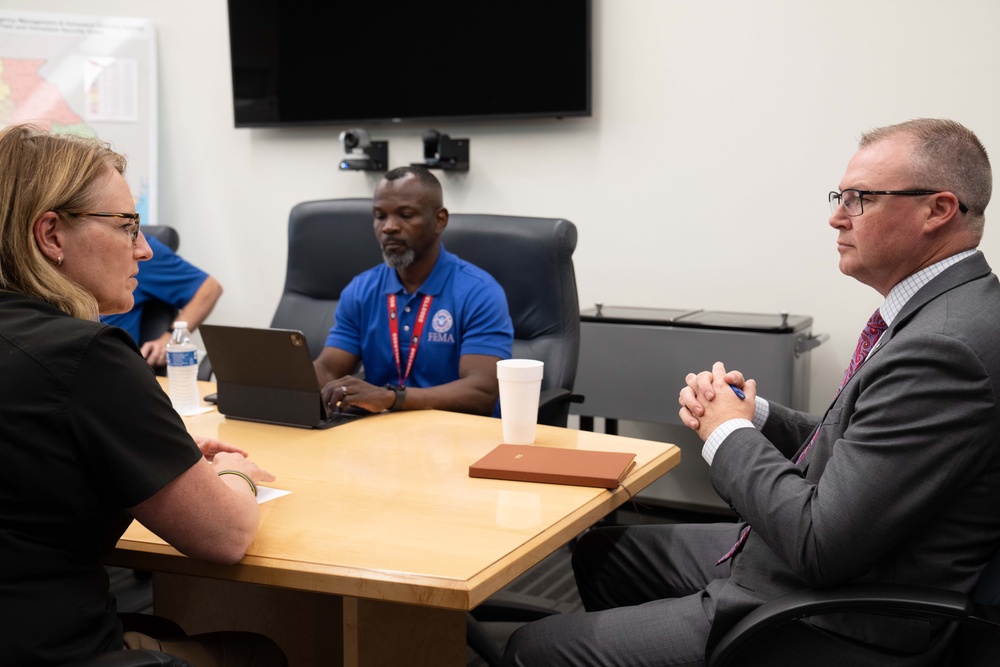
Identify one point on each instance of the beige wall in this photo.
(699, 182)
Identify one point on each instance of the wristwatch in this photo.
(400, 396)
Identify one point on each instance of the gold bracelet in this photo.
(253, 487)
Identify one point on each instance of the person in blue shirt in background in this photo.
(427, 326)
(167, 277)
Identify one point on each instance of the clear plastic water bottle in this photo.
(182, 371)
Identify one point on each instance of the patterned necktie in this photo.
(869, 335)
(873, 330)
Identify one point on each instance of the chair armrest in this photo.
(558, 395)
(553, 396)
(511, 610)
(882, 599)
(553, 406)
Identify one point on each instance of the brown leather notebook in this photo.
(554, 465)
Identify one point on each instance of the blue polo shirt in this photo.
(468, 315)
(166, 277)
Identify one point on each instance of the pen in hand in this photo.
(738, 391)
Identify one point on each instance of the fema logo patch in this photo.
(442, 322)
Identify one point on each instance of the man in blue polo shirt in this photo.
(427, 326)
(169, 278)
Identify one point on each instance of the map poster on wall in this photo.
(87, 75)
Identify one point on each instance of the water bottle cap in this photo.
(180, 324)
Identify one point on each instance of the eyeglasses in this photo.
(130, 228)
(854, 200)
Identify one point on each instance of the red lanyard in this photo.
(418, 328)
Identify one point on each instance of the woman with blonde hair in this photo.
(88, 439)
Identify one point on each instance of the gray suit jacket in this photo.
(902, 484)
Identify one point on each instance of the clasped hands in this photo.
(708, 400)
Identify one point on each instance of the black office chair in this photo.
(756, 638)
(532, 259)
(329, 242)
(165, 234)
(158, 316)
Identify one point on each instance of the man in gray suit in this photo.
(896, 483)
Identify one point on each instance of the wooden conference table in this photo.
(384, 542)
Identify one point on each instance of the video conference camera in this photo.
(361, 153)
(443, 152)
(356, 138)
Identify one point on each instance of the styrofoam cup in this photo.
(520, 387)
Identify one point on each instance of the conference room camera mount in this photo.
(361, 153)
(443, 152)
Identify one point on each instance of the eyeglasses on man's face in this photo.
(130, 228)
(854, 199)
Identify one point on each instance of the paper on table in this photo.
(200, 411)
(265, 493)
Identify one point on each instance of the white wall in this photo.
(699, 182)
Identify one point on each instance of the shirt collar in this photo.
(907, 287)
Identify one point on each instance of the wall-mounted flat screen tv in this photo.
(309, 62)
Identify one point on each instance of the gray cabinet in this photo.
(633, 362)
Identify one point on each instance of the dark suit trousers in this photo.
(644, 588)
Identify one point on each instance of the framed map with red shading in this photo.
(86, 75)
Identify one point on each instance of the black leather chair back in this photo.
(158, 316)
(329, 242)
(165, 234)
(532, 259)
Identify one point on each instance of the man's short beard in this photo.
(397, 261)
